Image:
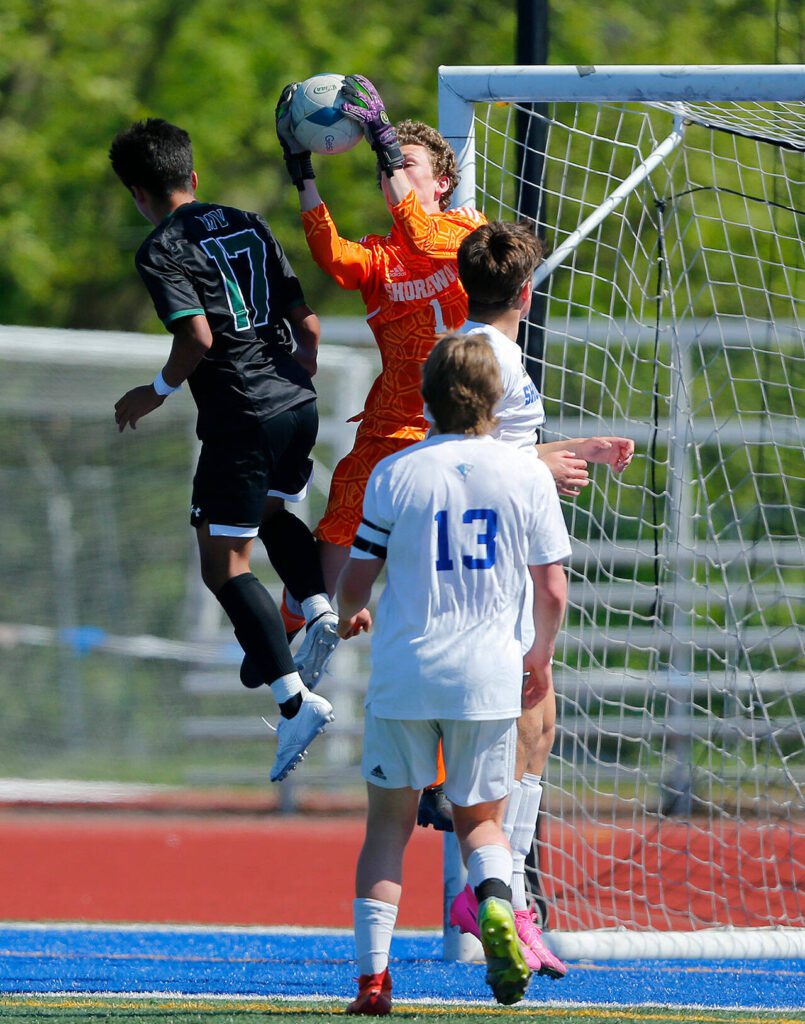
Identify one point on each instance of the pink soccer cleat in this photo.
(537, 955)
(464, 912)
(464, 916)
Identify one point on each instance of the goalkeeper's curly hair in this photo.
(441, 155)
(461, 384)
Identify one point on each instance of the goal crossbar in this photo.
(460, 88)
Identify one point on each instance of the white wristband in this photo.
(162, 387)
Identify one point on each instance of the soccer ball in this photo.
(316, 119)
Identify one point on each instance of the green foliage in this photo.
(72, 74)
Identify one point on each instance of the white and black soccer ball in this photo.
(316, 119)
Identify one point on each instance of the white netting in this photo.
(676, 788)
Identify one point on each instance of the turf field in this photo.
(202, 1011)
(233, 975)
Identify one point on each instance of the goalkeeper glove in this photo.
(361, 101)
(297, 160)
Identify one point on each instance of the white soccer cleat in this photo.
(317, 649)
(294, 735)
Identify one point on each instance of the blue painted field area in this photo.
(42, 959)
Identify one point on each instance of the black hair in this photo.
(154, 154)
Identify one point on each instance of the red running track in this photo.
(253, 871)
(299, 870)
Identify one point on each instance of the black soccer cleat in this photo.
(434, 809)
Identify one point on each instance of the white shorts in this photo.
(478, 756)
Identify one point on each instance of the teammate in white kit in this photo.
(460, 520)
(496, 264)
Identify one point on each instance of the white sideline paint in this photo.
(189, 1001)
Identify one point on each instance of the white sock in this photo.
(313, 607)
(374, 925)
(489, 862)
(288, 686)
(522, 836)
(519, 899)
(510, 815)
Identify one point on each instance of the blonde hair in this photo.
(461, 384)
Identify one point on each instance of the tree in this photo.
(71, 75)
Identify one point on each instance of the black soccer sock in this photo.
(493, 887)
(258, 625)
(291, 549)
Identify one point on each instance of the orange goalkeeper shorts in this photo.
(345, 503)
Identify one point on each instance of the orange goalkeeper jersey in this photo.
(409, 283)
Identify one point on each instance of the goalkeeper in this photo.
(408, 281)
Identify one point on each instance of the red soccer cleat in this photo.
(374, 995)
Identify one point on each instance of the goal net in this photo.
(669, 310)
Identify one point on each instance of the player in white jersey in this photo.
(496, 265)
(459, 520)
(520, 412)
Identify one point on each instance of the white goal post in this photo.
(670, 308)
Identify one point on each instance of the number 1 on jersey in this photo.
(439, 326)
(443, 561)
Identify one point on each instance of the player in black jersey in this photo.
(221, 284)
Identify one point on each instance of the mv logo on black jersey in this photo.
(214, 219)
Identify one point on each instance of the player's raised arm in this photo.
(298, 160)
(415, 189)
(362, 101)
(344, 260)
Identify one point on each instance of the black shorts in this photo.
(236, 473)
